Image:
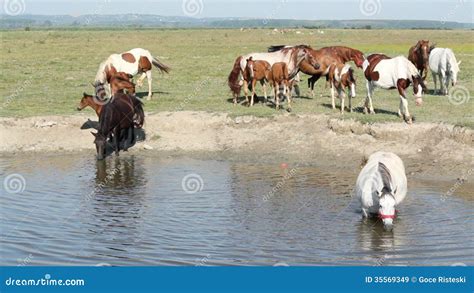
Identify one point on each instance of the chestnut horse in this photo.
(117, 81)
(419, 56)
(280, 54)
(327, 56)
(388, 73)
(256, 70)
(133, 62)
(116, 116)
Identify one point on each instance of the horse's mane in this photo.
(100, 76)
(275, 48)
(452, 59)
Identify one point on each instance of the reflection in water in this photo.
(133, 210)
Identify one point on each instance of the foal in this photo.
(257, 70)
(280, 78)
(341, 76)
(88, 100)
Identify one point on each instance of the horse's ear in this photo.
(84, 94)
(94, 134)
(386, 178)
(459, 62)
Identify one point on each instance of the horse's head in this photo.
(303, 57)
(100, 142)
(85, 101)
(358, 58)
(453, 69)
(99, 90)
(418, 88)
(387, 200)
(387, 208)
(423, 47)
(250, 67)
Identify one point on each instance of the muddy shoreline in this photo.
(430, 150)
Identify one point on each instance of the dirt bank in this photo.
(428, 149)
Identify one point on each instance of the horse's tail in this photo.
(233, 79)
(160, 65)
(139, 118)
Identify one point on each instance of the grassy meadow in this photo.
(46, 72)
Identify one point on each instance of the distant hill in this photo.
(155, 21)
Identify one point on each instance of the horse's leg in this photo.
(371, 107)
(117, 132)
(150, 93)
(333, 103)
(442, 82)
(342, 96)
(401, 86)
(368, 100)
(277, 98)
(246, 91)
(133, 138)
(141, 79)
(264, 93)
(311, 81)
(435, 77)
(288, 94)
(254, 84)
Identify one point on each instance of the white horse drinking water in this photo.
(444, 67)
(133, 62)
(381, 186)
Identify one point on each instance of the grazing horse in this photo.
(256, 70)
(116, 116)
(444, 66)
(341, 76)
(388, 73)
(236, 77)
(381, 186)
(97, 106)
(419, 55)
(330, 55)
(280, 79)
(133, 62)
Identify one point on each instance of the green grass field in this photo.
(45, 72)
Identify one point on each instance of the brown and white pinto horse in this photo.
(419, 55)
(133, 62)
(281, 54)
(341, 77)
(256, 70)
(389, 73)
(327, 56)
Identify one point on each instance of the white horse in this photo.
(444, 67)
(133, 62)
(388, 73)
(381, 186)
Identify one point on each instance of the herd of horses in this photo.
(120, 111)
(331, 62)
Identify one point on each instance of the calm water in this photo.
(151, 210)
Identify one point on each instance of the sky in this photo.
(440, 10)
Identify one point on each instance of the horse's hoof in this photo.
(148, 98)
(289, 110)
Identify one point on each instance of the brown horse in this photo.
(419, 56)
(256, 70)
(118, 81)
(327, 56)
(90, 101)
(97, 106)
(116, 116)
(280, 79)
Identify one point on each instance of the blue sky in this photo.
(442, 10)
